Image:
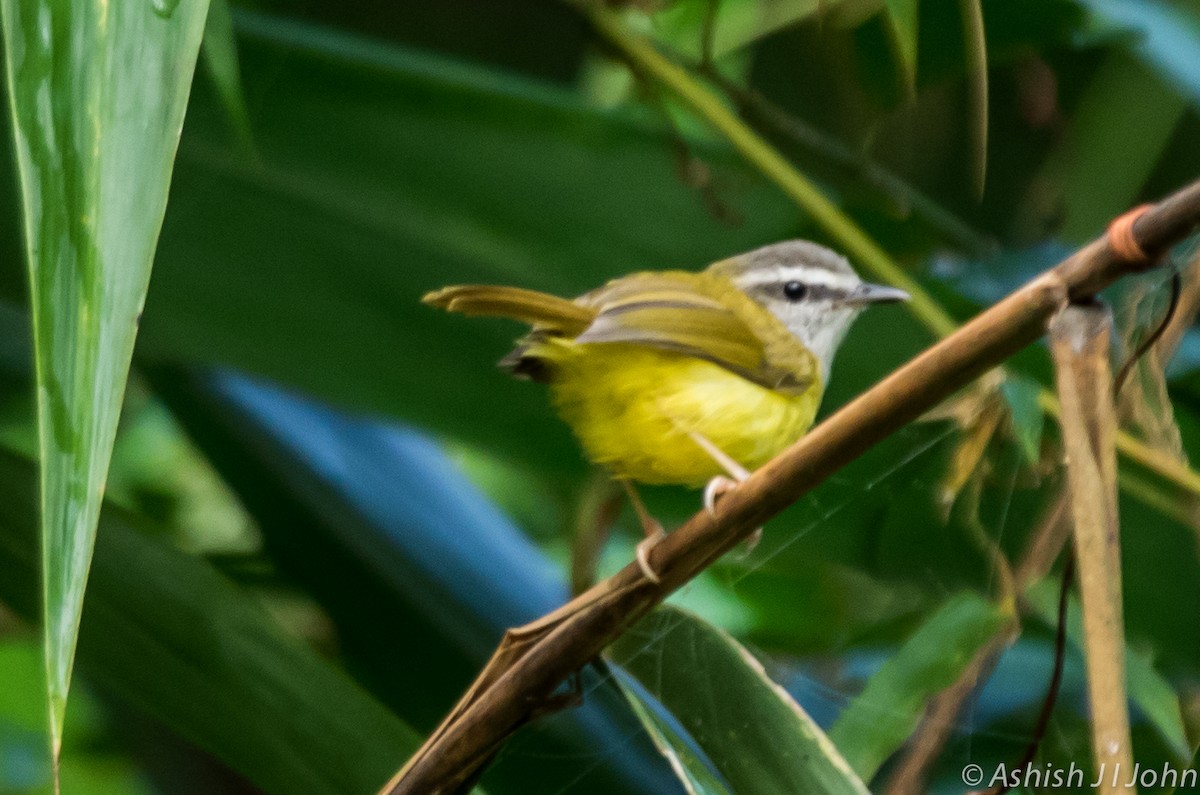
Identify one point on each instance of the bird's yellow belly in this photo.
(633, 408)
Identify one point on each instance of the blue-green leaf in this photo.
(1166, 36)
(692, 768)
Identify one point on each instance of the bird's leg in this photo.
(721, 484)
(652, 529)
(597, 512)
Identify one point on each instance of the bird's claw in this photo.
(716, 488)
(643, 555)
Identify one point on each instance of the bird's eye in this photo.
(795, 291)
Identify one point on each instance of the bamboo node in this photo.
(1123, 241)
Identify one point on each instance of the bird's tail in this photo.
(528, 306)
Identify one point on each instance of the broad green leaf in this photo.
(97, 94)
(174, 639)
(1147, 688)
(841, 605)
(903, 29)
(1025, 415)
(734, 714)
(882, 717)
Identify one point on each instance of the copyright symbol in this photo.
(972, 775)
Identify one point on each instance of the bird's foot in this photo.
(643, 553)
(652, 529)
(718, 487)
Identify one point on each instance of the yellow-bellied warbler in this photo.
(684, 378)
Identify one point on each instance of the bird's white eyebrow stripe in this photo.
(807, 275)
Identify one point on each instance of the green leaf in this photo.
(882, 717)
(98, 92)
(221, 60)
(903, 28)
(689, 764)
(735, 715)
(1025, 415)
(1152, 693)
(842, 604)
(170, 636)
(740, 23)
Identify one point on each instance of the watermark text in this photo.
(1052, 776)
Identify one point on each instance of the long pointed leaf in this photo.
(882, 717)
(736, 716)
(98, 91)
(902, 19)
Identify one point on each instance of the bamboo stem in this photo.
(1080, 338)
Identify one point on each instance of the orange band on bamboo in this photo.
(1122, 240)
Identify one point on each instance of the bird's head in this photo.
(813, 290)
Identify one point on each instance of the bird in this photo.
(683, 377)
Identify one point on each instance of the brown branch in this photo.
(1080, 338)
(533, 661)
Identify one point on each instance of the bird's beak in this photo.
(876, 294)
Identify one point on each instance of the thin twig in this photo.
(534, 660)
(1185, 313)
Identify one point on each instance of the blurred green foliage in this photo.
(340, 581)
